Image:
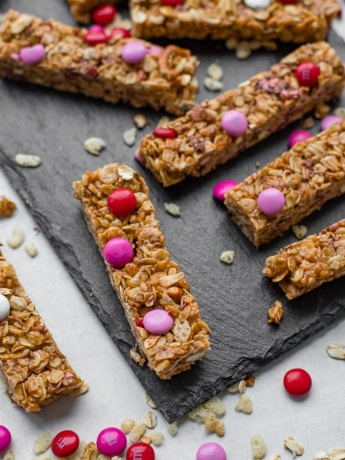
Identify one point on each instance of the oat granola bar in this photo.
(270, 100)
(152, 280)
(32, 367)
(305, 265)
(308, 175)
(81, 9)
(165, 77)
(305, 21)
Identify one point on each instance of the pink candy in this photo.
(234, 123)
(211, 451)
(5, 438)
(158, 322)
(118, 252)
(330, 120)
(97, 28)
(133, 52)
(111, 441)
(220, 189)
(300, 135)
(32, 55)
(139, 157)
(271, 201)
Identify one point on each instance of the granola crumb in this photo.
(137, 432)
(238, 387)
(308, 122)
(140, 121)
(129, 136)
(215, 405)
(172, 428)
(17, 237)
(94, 145)
(9, 455)
(31, 249)
(275, 313)
(227, 257)
(127, 425)
(336, 351)
(299, 231)
(250, 380)
(213, 425)
(258, 164)
(163, 121)
(137, 357)
(7, 207)
(150, 419)
(157, 438)
(244, 405)
(213, 85)
(173, 209)
(340, 112)
(322, 110)
(258, 446)
(215, 72)
(27, 161)
(149, 401)
(243, 50)
(42, 442)
(291, 444)
(146, 439)
(45, 457)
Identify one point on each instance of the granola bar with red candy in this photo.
(305, 265)
(83, 9)
(97, 64)
(217, 130)
(281, 194)
(163, 315)
(32, 367)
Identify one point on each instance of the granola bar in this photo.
(164, 78)
(305, 265)
(32, 367)
(81, 9)
(305, 21)
(270, 100)
(308, 175)
(152, 280)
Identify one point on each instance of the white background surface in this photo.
(317, 422)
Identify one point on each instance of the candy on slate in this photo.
(5, 438)
(4, 307)
(118, 252)
(111, 441)
(220, 189)
(121, 202)
(271, 201)
(32, 55)
(234, 123)
(211, 450)
(158, 321)
(300, 135)
(297, 382)
(140, 451)
(134, 52)
(104, 14)
(330, 120)
(65, 443)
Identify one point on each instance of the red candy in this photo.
(307, 74)
(297, 382)
(165, 133)
(119, 32)
(65, 443)
(140, 451)
(139, 322)
(172, 2)
(104, 14)
(288, 2)
(122, 202)
(93, 37)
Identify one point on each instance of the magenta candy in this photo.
(5, 438)
(138, 157)
(156, 50)
(300, 135)
(133, 52)
(220, 189)
(32, 55)
(271, 201)
(158, 321)
(211, 451)
(234, 123)
(330, 120)
(97, 28)
(118, 252)
(111, 441)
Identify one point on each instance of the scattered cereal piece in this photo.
(244, 404)
(79, 453)
(213, 425)
(115, 458)
(321, 456)
(321, 110)
(17, 237)
(163, 121)
(258, 164)
(275, 313)
(137, 357)
(9, 455)
(149, 401)
(258, 446)
(307, 123)
(157, 438)
(140, 121)
(215, 405)
(243, 50)
(94, 145)
(46, 457)
(31, 249)
(299, 231)
(275, 457)
(201, 414)
(127, 425)
(42, 442)
(27, 161)
(213, 85)
(102, 457)
(150, 419)
(231, 43)
(137, 432)
(238, 387)
(172, 428)
(337, 454)
(146, 439)
(215, 72)
(7, 207)
(340, 112)
(129, 136)
(336, 351)
(294, 446)
(250, 380)
(173, 209)
(227, 257)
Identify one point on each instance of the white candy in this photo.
(257, 4)
(4, 307)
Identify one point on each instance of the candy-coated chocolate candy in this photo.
(140, 451)
(32, 55)
(271, 201)
(133, 52)
(139, 322)
(104, 14)
(300, 135)
(257, 4)
(111, 441)
(297, 382)
(307, 74)
(4, 307)
(120, 32)
(65, 443)
(220, 189)
(94, 38)
(139, 157)
(118, 252)
(97, 28)
(5, 438)
(172, 2)
(156, 50)
(211, 450)
(158, 322)
(330, 120)
(234, 123)
(121, 202)
(288, 2)
(165, 133)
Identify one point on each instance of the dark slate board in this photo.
(234, 299)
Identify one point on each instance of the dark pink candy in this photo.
(300, 135)
(220, 189)
(330, 120)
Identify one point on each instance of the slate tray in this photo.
(234, 299)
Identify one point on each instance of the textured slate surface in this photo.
(233, 299)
